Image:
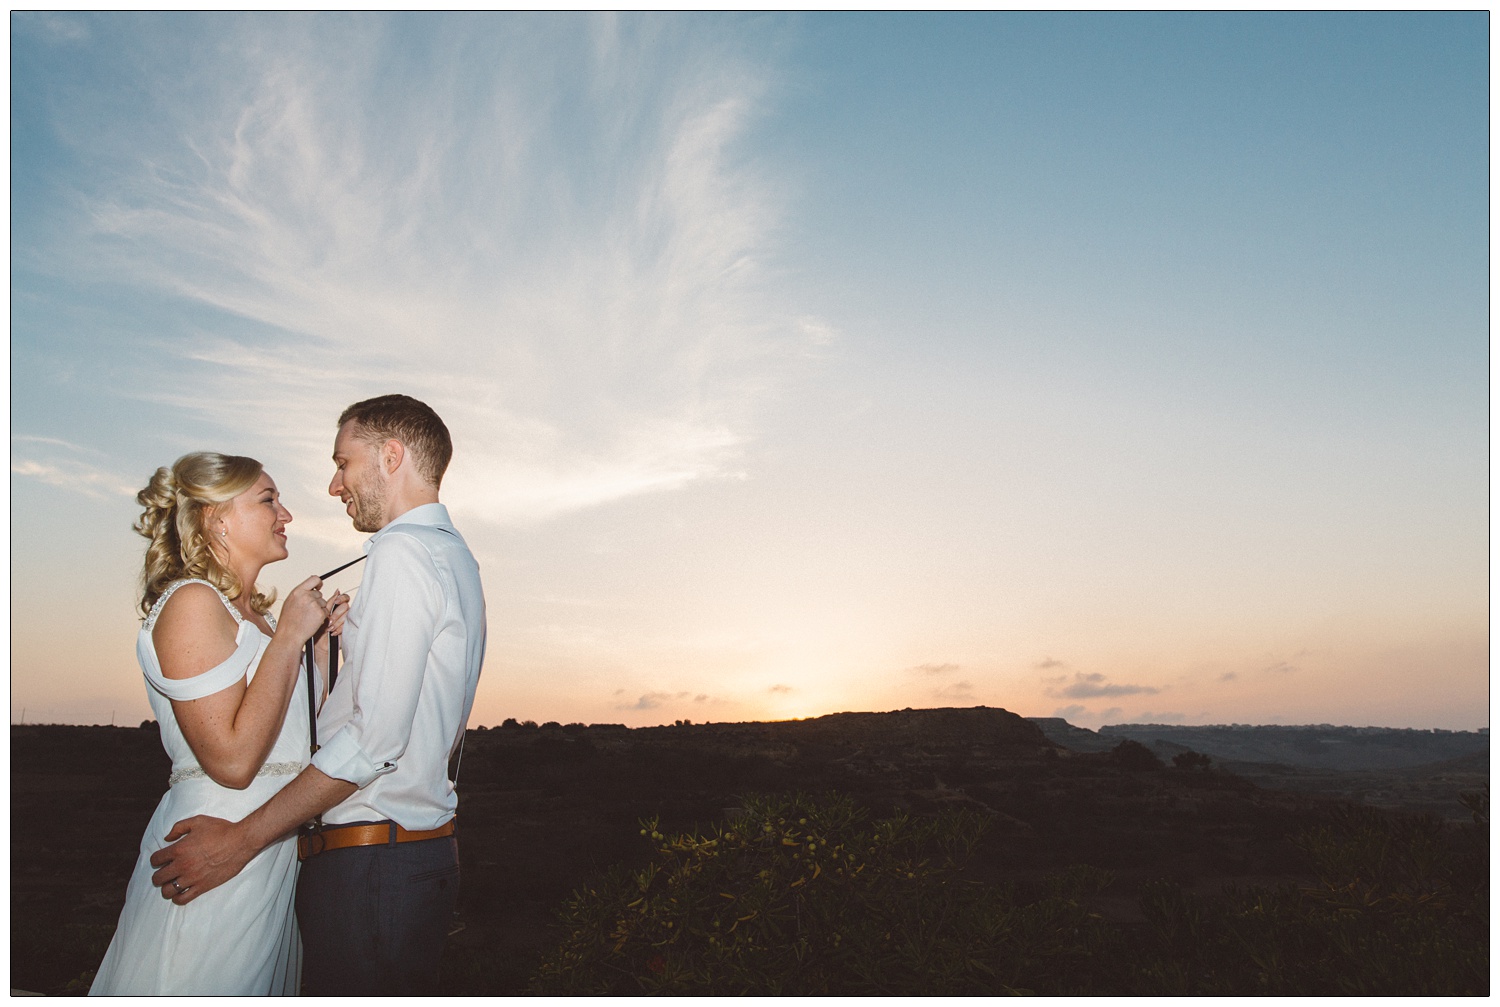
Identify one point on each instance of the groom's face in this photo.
(358, 478)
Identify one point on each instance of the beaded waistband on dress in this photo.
(269, 769)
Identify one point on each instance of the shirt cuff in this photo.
(343, 759)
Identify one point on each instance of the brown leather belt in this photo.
(338, 837)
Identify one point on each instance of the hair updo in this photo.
(179, 502)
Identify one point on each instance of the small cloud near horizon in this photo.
(1048, 663)
(1147, 717)
(652, 700)
(934, 669)
(655, 700)
(1286, 666)
(1094, 685)
(781, 688)
(958, 690)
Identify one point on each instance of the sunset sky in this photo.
(1120, 367)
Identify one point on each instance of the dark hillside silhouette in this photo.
(545, 809)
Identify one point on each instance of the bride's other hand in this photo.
(338, 610)
(305, 612)
(338, 607)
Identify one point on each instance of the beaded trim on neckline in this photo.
(160, 602)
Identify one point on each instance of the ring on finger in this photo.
(177, 886)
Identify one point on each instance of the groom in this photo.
(379, 883)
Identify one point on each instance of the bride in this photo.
(227, 686)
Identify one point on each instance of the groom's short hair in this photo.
(413, 423)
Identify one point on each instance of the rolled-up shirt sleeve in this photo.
(391, 643)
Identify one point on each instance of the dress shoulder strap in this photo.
(236, 668)
(171, 588)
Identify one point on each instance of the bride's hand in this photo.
(304, 612)
(338, 610)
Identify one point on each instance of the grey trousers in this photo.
(374, 918)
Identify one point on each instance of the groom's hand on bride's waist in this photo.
(207, 853)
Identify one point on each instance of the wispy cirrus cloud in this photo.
(547, 227)
(57, 28)
(60, 463)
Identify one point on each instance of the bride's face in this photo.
(252, 526)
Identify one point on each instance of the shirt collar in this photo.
(428, 514)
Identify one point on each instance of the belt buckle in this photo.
(310, 840)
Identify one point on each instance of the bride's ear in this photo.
(215, 534)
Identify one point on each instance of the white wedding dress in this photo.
(239, 938)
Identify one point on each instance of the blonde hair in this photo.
(178, 504)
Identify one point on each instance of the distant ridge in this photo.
(1313, 746)
(979, 725)
(1079, 739)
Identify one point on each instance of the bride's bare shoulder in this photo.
(193, 631)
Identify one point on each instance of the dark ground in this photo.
(543, 810)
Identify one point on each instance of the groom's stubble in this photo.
(361, 483)
(368, 494)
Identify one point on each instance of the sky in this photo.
(1119, 367)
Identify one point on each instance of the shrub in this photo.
(1395, 911)
(801, 896)
(1130, 754)
(1191, 760)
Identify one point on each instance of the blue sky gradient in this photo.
(1117, 366)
